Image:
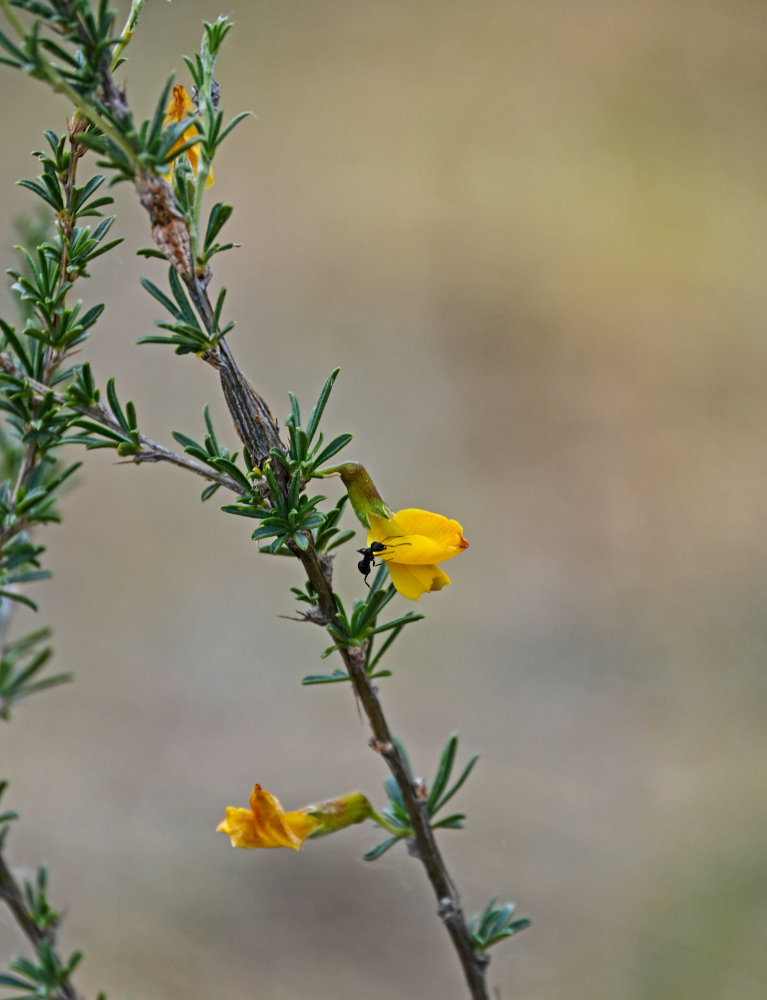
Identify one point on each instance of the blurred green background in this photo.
(532, 236)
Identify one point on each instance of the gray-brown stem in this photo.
(427, 851)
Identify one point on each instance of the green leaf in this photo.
(219, 216)
(452, 822)
(160, 296)
(382, 848)
(340, 539)
(333, 448)
(397, 623)
(336, 677)
(245, 511)
(232, 124)
(464, 775)
(319, 408)
(11, 595)
(443, 772)
(21, 984)
(149, 252)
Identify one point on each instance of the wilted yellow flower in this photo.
(180, 107)
(415, 541)
(266, 824)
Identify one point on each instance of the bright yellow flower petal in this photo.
(416, 540)
(412, 581)
(442, 530)
(413, 550)
(417, 537)
(266, 824)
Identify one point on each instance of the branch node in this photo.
(421, 790)
(314, 615)
(382, 747)
(448, 909)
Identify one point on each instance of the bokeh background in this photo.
(533, 237)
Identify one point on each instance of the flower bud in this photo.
(363, 496)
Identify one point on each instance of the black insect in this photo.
(368, 560)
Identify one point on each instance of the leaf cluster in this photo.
(81, 44)
(123, 435)
(71, 46)
(35, 420)
(53, 323)
(76, 201)
(288, 520)
(187, 333)
(329, 536)
(494, 924)
(29, 489)
(20, 663)
(306, 453)
(219, 458)
(440, 794)
(289, 516)
(81, 41)
(360, 628)
(41, 978)
(211, 119)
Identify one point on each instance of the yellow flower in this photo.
(415, 541)
(410, 542)
(266, 824)
(180, 107)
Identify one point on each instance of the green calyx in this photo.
(363, 495)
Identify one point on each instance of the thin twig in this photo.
(151, 451)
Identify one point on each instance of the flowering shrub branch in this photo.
(49, 402)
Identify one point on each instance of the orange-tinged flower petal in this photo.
(266, 824)
(180, 107)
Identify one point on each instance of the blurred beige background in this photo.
(533, 237)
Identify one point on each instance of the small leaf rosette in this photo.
(266, 824)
